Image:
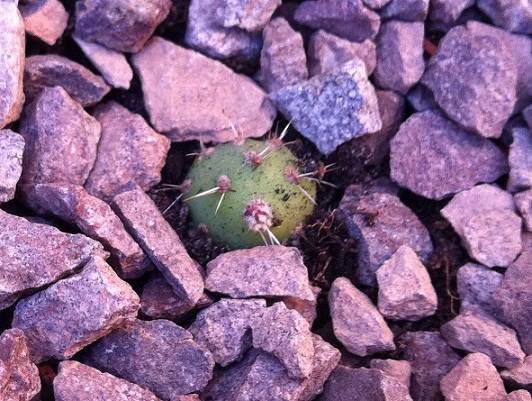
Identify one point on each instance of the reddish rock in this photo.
(46, 19)
(406, 10)
(476, 285)
(519, 376)
(75, 311)
(306, 308)
(400, 370)
(11, 150)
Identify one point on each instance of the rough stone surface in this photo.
(375, 4)
(357, 323)
(46, 19)
(78, 382)
(518, 395)
(400, 370)
(50, 70)
(263, 271)
(282, 59)
(447, 159)
(19, 378)
(182, 104)
(346, 18)
(130, 153)
(332, 108)
(421, 98)
(306, 308)
(12, 43)
(94, 218)
(159, 301)
(523, 202)
(157, 355)
(476, 285)
(249, 15)
(160, 242)
(188, 397)
(328, 52)
(406, 10)
(447, 12)
(224, 328)
(34, 255)
(475, 331)
(392, 225)
(400, 62)
(520, 376)
(11, 151)
(75, 311)
(512, 15)
(473, 378)
(123, 25)
(520, 160)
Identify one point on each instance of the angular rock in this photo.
(447, 12)
(518, 395)
(75, 311)
(520, 160)
(160, 242)
(520, 376)
(124, 25)
(224, 328)
(46, 19)
(406, 10)
(12, 43)
(76, 381)
(475, 331)
(447, 159)
(375, 4)
(159, 301)
(523, 202)
(421, 98)
(34, 255)
(11, 151)
(332, 108)
(473, 378)
(282, 60)
(157, 355)
(327, 52)
(400, 370)
(130, 153)
(512, 15)
(263, 271)
(94, 218)
(19, 377)
(251, 16)
(405, 289)
(177, 85)
(476, 285)
(381, 224)
(349, 19)
(50, 70)
(357, 323)
(306, 308)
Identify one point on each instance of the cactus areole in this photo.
(245, 196)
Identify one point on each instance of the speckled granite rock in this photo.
(400, 370)
(46, 19)
(476, 285)
(11, 151)
(512, 15)
(406, 10)
(520, 160)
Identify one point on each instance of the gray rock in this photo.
(473, 378)
(50, 70)
(421, 98)
(447, 159)
(124, 25)
(357, 323)
(519, 376)
(130, 153)
(476, 284)
(520, 160)
(35, 255)
(523, 202)
(475, 331)
(19, 377)
(46, 19)
(11, 151)
(251, 16)
(282, 59)
(406, 10)
(518, 395)
(400, 62)
(158, 355)
(400, 370)
(512, 15)
(327, 52)
(447, 11)
(76, 381)
(381, 224)
(148, 227)
(332, 108)
(175, 83)
(76, 311)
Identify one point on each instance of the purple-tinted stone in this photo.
(406, 10)
(251, 16)
(476, 285)
(523, 202)
(11, 151)
(519, 376)
(520, 160)
(159, 301)
(46, 19)
(447, 11)
(512, 15)
(400, 370)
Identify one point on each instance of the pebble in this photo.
(519, 376)
(400, 370)
(520, 160)
(177, 85)
(46, 20)
(512, 15)
(75, 311)
(447, 12)
(11, 151)
(406, 10)
(476, 285)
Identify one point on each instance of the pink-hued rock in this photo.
(519, 376)
(519, 159)
(357, 323)
(19, 377)
(78, 382)
(76, 311)
(400, 370)
(523, 202)
(518, 395)
(476, 285)
(251, 16)
(46, 19)
(179, 97)
(306, 308)
(11, 151)
(160, 242)
(34, 255)
(157, 355)
(130, 153)
(188, 397)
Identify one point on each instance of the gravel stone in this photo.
(76, 311)
(177, 85)
(400, 370)
(512, 15)
(46, 19)
(447, 159)
(406, 10)
(520, 160)
(400, 62)
(19, 378)
(78, 382)
(306, 308)
(130, 153)
(11, 151)
(523, 202)
(157, 355)
(34, 255)
(357, 323)
(447, 11)
(50, 70)
(520, 376)
(160, 242)
(375, 4)
(188, 397)
(123, 25)
(518, 395)
(421, 98)
(332, 108)
(476, 285)
(249, 15)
